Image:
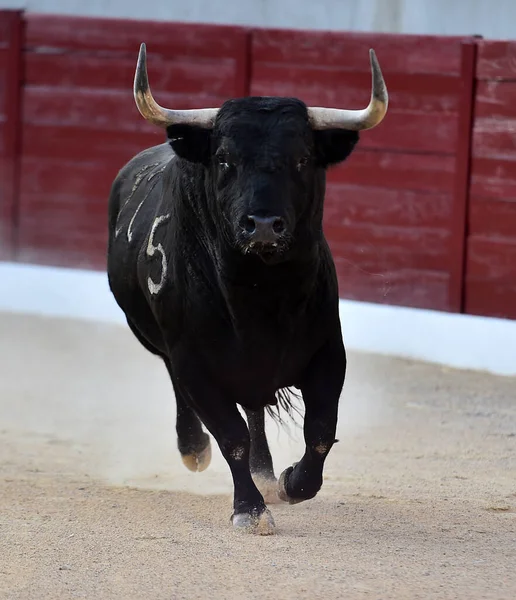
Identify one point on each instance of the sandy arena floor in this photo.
(419, 498)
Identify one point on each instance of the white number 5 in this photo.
(154, 288)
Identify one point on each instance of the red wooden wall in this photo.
(391, 208)
(10, 96)
(491, 250)
(423, 213)
(80, 123)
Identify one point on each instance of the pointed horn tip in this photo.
(140, 77)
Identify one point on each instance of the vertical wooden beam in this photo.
(243, 72)
(459, 228)
(11, 46)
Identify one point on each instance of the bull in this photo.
(217, 257)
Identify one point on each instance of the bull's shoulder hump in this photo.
(155, 157)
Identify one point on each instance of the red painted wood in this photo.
(10, 98)
(492, 218)
(95, 109)
(119, 36)
(349, 51)
(397, 170)
(186, 75)
(413, 157)
(87, 180)
(493, 178)
(331, 86)
(491, 265)
(457, 253)
(349, 204)
(80, 122)
(496, 60)
(492, 259)
(382, 249)
(243, 66)
(495, 139)
(491, 299)
(85, 144)
(495, 100)
(406, 287)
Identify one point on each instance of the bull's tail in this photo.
(289, 405)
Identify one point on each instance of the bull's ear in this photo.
(332, 146)
(190, 142)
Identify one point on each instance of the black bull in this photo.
(218, 259)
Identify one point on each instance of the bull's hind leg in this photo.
(321, 389)
(260, 459)
(193, 443)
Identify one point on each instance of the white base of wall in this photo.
(460, 341)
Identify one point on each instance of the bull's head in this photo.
(266, 158)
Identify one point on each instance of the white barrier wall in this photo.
(460, 341)
(489, 18)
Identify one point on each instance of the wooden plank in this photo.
(495, 138)
(492, 218)
(457, 255)
(97, 109)
(495, 100)
(243, 66)
(4, 69)
(350, 204)
(87, 145)
(321, 85)
(414, 132)
(493, 178)
(421, 289)
(397, 170)
(491, 260)
(46, 247)
(377, 248)
(185, 74)
(83, 34)
(496, 60)
(10, 82)
(349, 50)
(50, 177)
(491, 299)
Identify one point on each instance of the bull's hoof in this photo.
(268, 488)
(198, 461)
(282, 487)
(262, 524)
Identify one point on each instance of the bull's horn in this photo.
(355, 120)
(156, 114)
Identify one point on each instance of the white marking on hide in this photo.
(140, 175)
(154, 288)
(131, 222)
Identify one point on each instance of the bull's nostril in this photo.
(278, 226)
(250, 225)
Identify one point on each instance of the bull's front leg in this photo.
(260, 460)
(225, 423)
(321, 388)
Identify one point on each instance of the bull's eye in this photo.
(224, 163)
(302, 163)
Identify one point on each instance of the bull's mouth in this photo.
(268, 252)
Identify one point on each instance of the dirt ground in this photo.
(419, 499)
